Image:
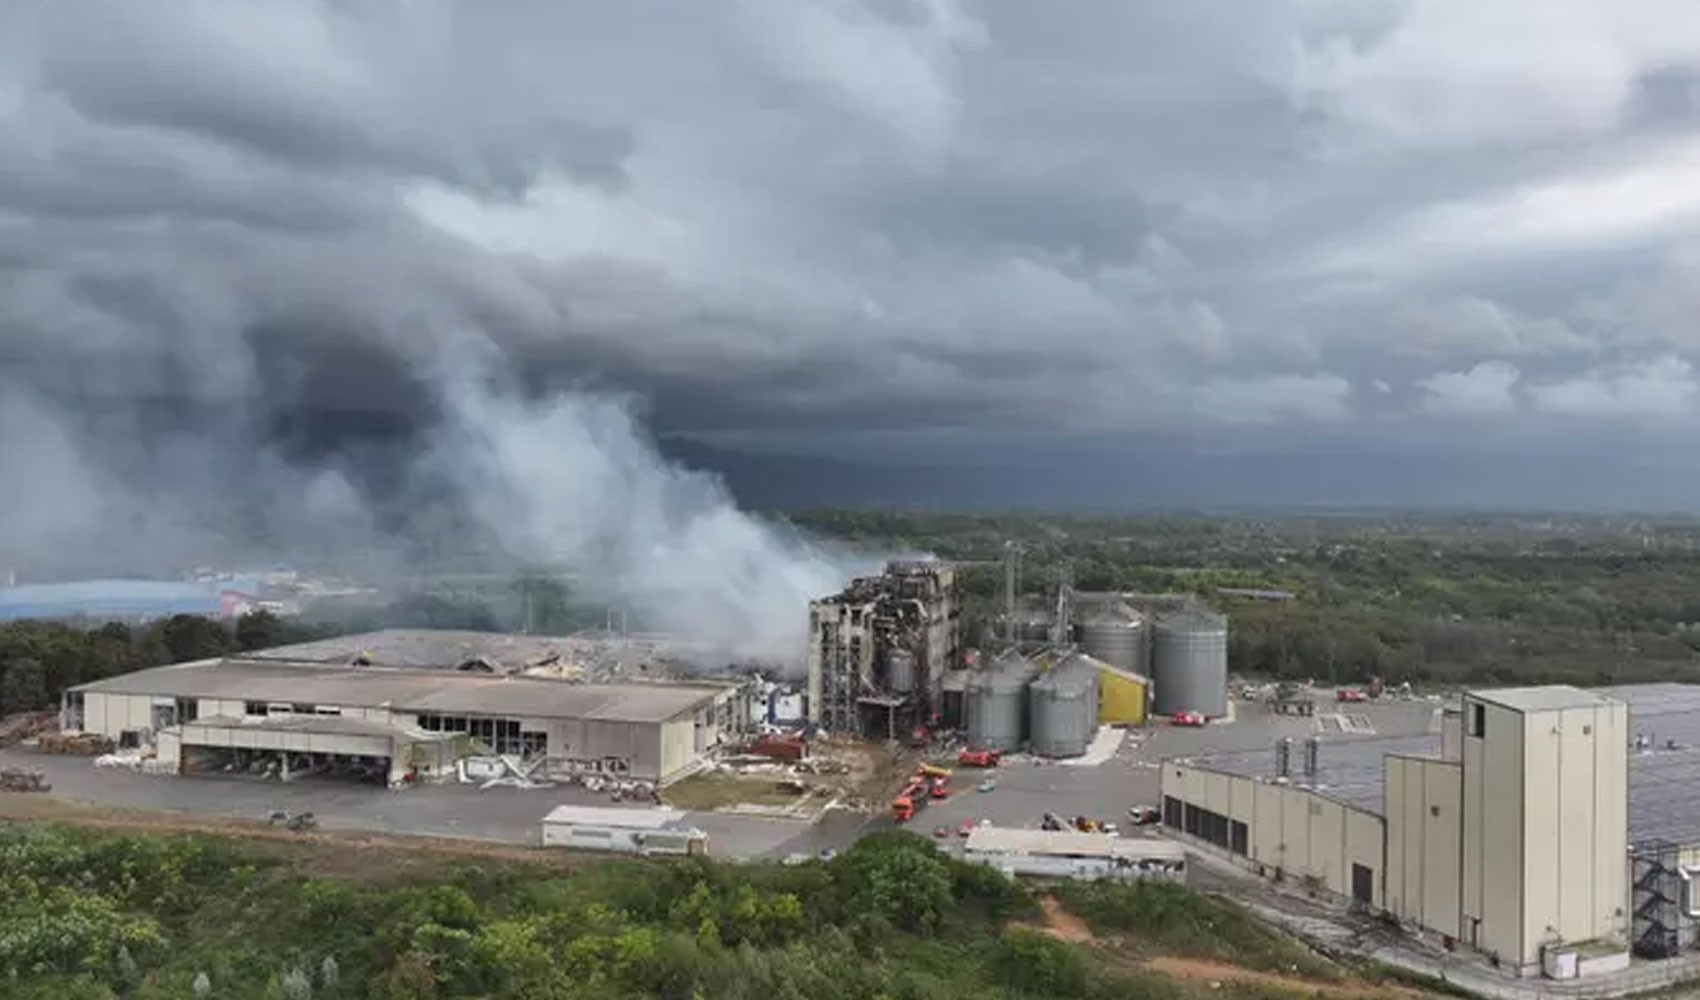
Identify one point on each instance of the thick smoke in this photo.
(572, 481)
(229, 335)
(565, 482)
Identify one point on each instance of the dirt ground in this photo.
(1066, 926)
(705, 792)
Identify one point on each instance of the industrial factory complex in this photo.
(1550, 831)
(886, 658)
(405, 706)
(1554, 829)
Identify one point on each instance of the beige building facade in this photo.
(1508, 834)
(649, 732)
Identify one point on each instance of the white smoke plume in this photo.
(571, 481)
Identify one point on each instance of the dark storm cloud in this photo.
(245, 250)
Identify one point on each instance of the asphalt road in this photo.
(1025, 791)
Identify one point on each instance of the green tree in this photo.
(192, 637)
(258, 630)
(23, 685)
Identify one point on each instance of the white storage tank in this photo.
(996, 703)
(1063, 704)
(899, 671)
(1189, 663)
(1117, 635)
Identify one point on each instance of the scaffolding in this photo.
(858, 633)
(1658, 925)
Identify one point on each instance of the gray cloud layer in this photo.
(240, 244)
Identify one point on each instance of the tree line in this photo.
(40, 659)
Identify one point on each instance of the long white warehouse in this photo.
(400, 723)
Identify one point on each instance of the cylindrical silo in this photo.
(900, 671)
(997, 704)
(1063, 708)
(1189, 663)
(1117, 636)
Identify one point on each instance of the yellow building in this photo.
(1122, 696)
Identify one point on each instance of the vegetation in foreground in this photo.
(93, 915)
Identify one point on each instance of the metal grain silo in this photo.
(1063, 708)
(1116, 635)
(900, 671)
(997, 703)
(1189, 659)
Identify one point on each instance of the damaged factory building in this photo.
(879, 650)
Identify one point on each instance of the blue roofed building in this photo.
(125, 600)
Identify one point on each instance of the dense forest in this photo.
(1426, 598)
(94, 916)
(38, 660)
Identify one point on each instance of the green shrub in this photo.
(1036, 963)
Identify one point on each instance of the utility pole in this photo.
(1011, 574)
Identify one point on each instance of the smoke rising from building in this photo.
(563, 481)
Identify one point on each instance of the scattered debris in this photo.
(15, 729)
(293, 821)
(75, 744)
(18, 780)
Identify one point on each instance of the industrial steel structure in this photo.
(395, 723)
(1554, 829)
(1189, 663)
(879, 650)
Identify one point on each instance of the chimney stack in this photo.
(1312, 746)
(1284, 757)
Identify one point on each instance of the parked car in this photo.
(1187, 719)
(941, 832)
(1144, 815)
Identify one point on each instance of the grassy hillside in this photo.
(98, 915)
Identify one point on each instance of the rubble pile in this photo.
(14, 729)
(15, 780)
(76, 744)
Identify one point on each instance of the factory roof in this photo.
(1348, 771)
(439, 691)
(449, 648)
(1549, 698)
(1664, 778)
(1067, 843)
(332, 725)
(629, 817)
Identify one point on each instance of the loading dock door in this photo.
(1363, 884)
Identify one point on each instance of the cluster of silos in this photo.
(1189, 663)
(996, 703)
(1063, 708)
(1116, 634)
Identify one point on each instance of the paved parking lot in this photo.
(505, 815)
(1025, 790)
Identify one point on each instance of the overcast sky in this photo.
(896, 229)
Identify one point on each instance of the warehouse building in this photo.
(1075, 855)
(404, 722)
(1553, 829)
